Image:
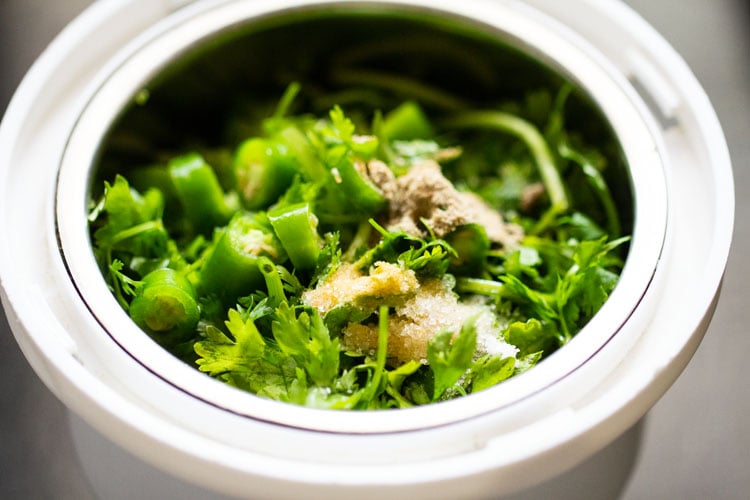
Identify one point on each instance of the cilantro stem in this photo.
(414, 89)
(286, 100)
(152, 225)
(566, 335)
(382, 339)
(534, 140)
(379, 369)
(360, 239)
(556, 132)
(117, 285)
(479, 286)
(598, 184)
(402, 401)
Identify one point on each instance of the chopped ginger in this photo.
(385, 284)
(423, 201)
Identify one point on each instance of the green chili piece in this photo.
(165, 303)
(359, 191)
(152, 176)
(471, 244)
(199, 192)
(407, 122)
(296, 227)
(264, 169)
(231, 268)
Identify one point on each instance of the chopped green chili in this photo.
(165, 302)
(199, 192)
(231, 267)
(296, 227)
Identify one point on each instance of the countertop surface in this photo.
(695, 441)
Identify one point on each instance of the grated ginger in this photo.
(386, 283)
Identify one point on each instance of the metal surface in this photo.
(696, 442)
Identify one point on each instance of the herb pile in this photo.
(371, 257)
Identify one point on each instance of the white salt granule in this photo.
(432, 309)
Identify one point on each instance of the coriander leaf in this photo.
(419, 387)
(536, 303)
(343, 394)
(245, 361)
(581, 227)
(491, 370)
(430, 259)
(343, 314)
(122, 285)
(129, 221)
(415, 150)
(322, 397)
(523, 261)
(575, 287)
(524, 363)
(531, 336)
(329, 258)
(306, 339)
(427, 258)
(396, 380)
(587, 284)
(342, 131)
(450, 358)
(219, 354)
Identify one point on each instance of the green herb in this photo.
(451, 358)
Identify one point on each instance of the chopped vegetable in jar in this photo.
(367, 259)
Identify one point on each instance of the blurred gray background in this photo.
(696, 440)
